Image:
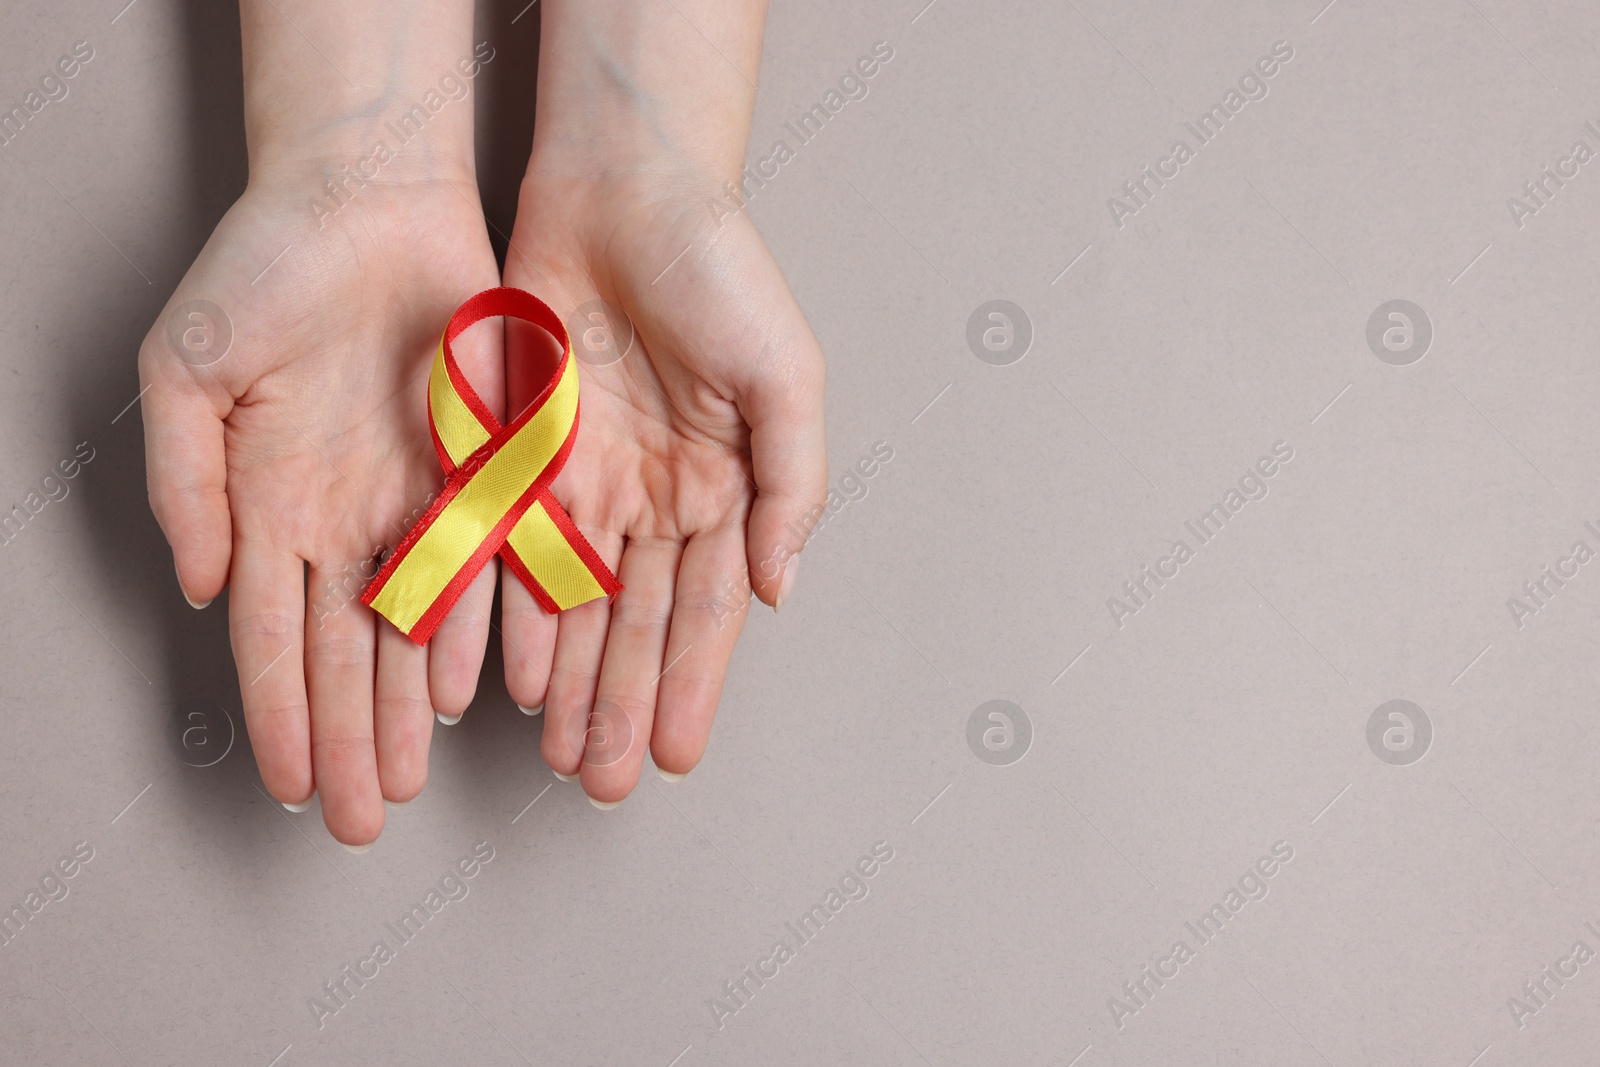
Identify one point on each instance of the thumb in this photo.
(186, 468)
(783, 405)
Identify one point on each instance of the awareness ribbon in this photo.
(496, 497)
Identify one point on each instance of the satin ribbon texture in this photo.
(496, 496)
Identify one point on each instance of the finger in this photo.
(575, 671)
(341, 660)
(783, 404)
(186, 469)
(455, 654)
(266, 618)
(531, 356)
(528, 637)
(402, 714)
(709, 609)
(625, 698)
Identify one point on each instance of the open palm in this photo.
(305, 443)
(699, 466)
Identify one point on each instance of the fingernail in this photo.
(565, 777)
(786, 584)
(446, 720)
(196, 605)
(604, 805)
(398, 803)
(530, 711)
(669, 776)
(304, 805)
(359, 849)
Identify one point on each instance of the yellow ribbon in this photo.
(497, 495)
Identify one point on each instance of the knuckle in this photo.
(343, 751)
(268, 624)
(403, 707)
(642, 615)
(577, 678)
(710, 604)
(636, 708)
(277, 713)
(690, 691)
(343, 650)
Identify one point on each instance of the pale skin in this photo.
(699, 455)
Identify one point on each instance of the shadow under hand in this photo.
(504, 118)
(201, 724)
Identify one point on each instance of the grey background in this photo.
(1229, 714)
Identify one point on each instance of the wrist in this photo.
(403, 145)
(639, 88)
(320, 99)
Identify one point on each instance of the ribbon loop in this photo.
(496, 497)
